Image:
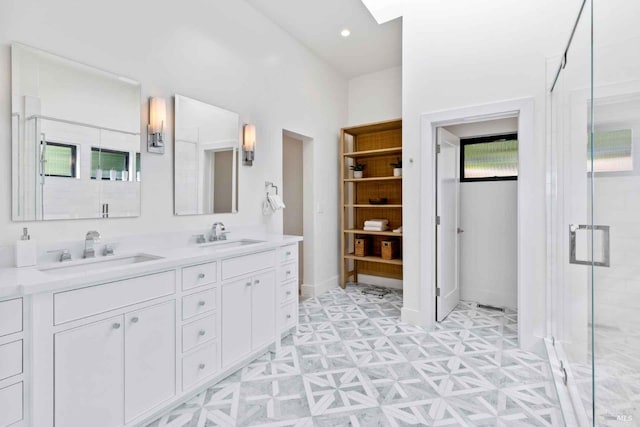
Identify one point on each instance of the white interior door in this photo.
(447, 209)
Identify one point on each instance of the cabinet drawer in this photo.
(289, 253)
(85, 302)
(10, 359)
(246, 264)
(10, 316)
(198, 332)
(11, 404)
(289, 271)
(288, 292)
(199, 365)
(199, 275)
(201, 302)
(289, 316)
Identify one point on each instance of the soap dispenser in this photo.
(26, 250)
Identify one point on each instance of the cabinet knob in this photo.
(201, 276)
(288, 272)
(248, 284)
(116, 325)
(288, 253)
(288, 316)
(202, 333)
(257, 282)
(201, 366)
(288, 292)
(201, 303)
(134, 319)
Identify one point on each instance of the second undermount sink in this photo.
(221, 245)
(97, 264)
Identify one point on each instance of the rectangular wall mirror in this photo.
(75, 139)
(206, 158)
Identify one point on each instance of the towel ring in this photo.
(268, 185)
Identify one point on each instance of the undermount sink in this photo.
(230, 244)
(97, 264)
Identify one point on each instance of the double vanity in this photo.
(114, 340)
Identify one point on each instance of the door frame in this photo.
(529, 314)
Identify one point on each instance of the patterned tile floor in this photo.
(354, 363)
(617, 391)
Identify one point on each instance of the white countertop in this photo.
(30, 280)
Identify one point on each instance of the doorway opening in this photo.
(296, 180)
(476, 226)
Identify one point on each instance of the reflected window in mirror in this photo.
(109, 164)
(60, 160)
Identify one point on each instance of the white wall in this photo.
(222, 52)
(375, 97)
(494, 51)
(488, 246)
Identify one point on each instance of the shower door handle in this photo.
(606, 257)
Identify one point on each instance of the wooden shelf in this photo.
(373, 233)
(373, 179)
(374, 259)
(372, 206)
(377, 146)
(371, 153)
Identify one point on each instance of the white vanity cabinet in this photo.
(248, 305)
(116, 353)
(12, 375)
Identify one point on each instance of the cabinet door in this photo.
(150, 358)
(89, 375)
(263, 309)
(236, 320)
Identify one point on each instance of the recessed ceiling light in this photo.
(345, 32)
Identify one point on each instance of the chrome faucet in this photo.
(89, 240)
(215, 235)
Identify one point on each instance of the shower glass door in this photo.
(594, 217)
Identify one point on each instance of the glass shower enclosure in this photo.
(593, 220)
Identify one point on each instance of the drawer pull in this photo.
(201, 366)
(134, 319)
(116, 325)
(202, 333)
(288, 316)
(201, 276)
(201, 303)
(288, 292)
(288, 253)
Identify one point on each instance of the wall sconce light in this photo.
(155, 128)
(249, 144)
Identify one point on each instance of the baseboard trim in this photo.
(411, 316)
(309, 290)
(383, 282)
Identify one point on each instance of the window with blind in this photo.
(612, 151)
(60, 160)
(489, 158)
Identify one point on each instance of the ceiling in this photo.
(317, 24)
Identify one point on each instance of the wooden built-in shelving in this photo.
(376, 145)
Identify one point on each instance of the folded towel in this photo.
(380, 228)
(398, 230)
(376, 222)
(275, 202)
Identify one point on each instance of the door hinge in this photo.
(437, 292)
(438, 220)
(438, 149)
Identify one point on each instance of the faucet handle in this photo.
(108, 250)
(65, 254)
(200, 238)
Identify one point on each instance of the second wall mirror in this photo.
(205, 158)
